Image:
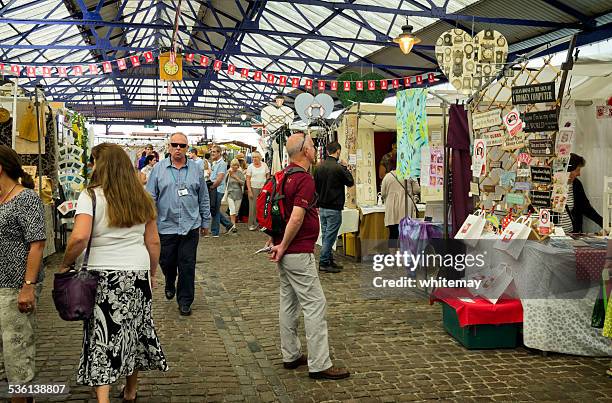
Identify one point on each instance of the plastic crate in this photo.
(351, 244)
(480, 336)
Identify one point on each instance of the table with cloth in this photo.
(373, 234)
(558, 285)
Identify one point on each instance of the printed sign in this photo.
(479, 158)
(486, 119)
(541, 174)
(513, 143)
(523, 172)
(474, 189)
(507, 178)
(541, 148)
(540, 121)
(515, 198)
(488, 188)
(565, 139)
(524, 158)
(513, 122)
(494, 138)
(522, 186)
(603, 111)
(540, 199)
(558, 203)
(544, 222)
(531, 94)
(495, 164)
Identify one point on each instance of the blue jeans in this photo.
(219, 218)
(330, 225)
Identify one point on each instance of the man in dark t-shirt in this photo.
(299, 279)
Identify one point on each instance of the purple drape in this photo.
(459, 141)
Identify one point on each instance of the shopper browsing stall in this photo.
(300, 286)
(330, 179)
(394, 194)
(22, 240)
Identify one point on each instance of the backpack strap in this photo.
(288, 171)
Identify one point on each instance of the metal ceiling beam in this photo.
(435, 12)
(572, 11)
(186, 30)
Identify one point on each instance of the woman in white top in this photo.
(120, 339)
(256, 176)
(392, 190)
(145, 172)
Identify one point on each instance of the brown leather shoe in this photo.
(330, 373)
(303, 360)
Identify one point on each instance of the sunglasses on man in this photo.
(177, 145)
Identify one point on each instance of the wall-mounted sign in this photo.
(541, 148)
(494, 138)
(507, 178)
(488, 188)
(522, 186)
(541, 174)
(531, 94)
(514, 142)
(515, 198)
(495, 164)
(513, 122)
(540, 199)
(524, 158)
(486, 119)
(540, 121)
(523, 172)
(479, 158)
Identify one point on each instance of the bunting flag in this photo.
(108, 66)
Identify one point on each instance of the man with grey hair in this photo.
(217, 176)
(300, 286)
(183, 212)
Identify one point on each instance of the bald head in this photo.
(179, 134)
(294, 144)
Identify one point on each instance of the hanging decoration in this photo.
(310, 108)
(469, 62)
(412, 131)
(371, 88)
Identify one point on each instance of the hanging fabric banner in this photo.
(217, 65)
(121, 64)
(107, 67)
(412, 131)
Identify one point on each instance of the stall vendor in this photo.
(388, 161)
(577, 204)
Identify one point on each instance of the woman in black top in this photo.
(578, 204)
(22, 241)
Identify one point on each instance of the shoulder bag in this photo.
(74, 292)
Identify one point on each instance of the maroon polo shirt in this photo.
(300, 191)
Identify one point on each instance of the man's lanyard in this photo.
(179, 174)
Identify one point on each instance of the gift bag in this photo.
(472, 228)
(514, 237)
(493, 282)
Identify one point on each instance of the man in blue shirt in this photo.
(183, 212)
(219, 170)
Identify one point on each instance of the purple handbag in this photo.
(74, 292)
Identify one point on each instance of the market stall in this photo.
(367, 132)
(523, 132)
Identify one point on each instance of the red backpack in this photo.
(271, 203)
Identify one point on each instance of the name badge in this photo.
(183, 192)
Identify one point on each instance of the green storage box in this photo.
(480, 336)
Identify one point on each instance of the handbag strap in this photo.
(92, 194)
(411, 191)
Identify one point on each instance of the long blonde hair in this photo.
(128, 202)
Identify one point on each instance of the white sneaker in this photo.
(232, 229)
(215, 236)
(252, 228)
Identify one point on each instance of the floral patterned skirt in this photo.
(120, 337)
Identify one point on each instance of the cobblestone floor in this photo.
(228, 350)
